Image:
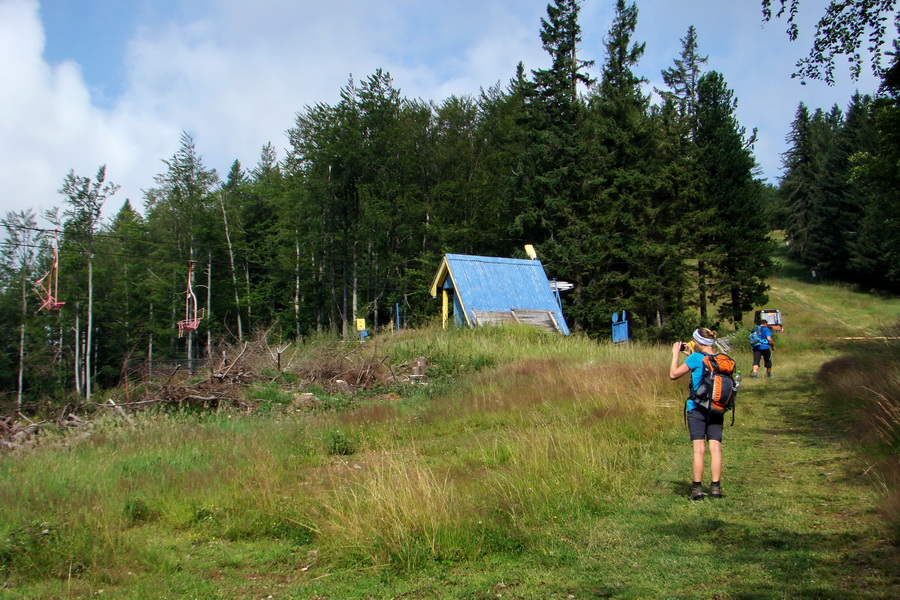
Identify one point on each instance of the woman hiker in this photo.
(703, 425)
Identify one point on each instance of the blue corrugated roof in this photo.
(485, 283)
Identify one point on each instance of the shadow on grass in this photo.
(798, 403)
(799, 565)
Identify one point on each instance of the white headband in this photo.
(703, 341)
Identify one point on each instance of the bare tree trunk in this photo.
(355, 298)
(22, 345)
(90, 327)
(209, 303)
(736, 313)
(335, 304)
(237, 297)
(701, 276)
(150, 345)
(77, 352)
(58, 355)
(190, 335)
(174, 320)
(127, 308)
(249, 308)
(297, 287)
(345, 300)
(320, 309)
(375, 292)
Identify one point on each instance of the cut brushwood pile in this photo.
(20, 432)
(224, 385)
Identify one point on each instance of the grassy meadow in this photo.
(524, 465)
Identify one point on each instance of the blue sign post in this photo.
(619, 328)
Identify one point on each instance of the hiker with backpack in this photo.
(705, 418)
(762, 345)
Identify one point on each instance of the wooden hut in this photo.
(483, 290)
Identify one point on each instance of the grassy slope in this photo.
(535, 479)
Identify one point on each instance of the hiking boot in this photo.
(696, 491)
(715, 490)
(770, 376)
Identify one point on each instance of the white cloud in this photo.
(233, 76)
(50, 125)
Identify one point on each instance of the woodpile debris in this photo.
(335, 371)
(21, 433)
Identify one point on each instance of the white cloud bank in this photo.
(233, 74)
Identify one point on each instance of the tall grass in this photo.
(548, 432)
(515, 435)
(554, 444)
(862, 389)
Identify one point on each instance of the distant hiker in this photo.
(762, 345)
(703, 424)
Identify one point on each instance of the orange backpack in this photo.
(718, 389)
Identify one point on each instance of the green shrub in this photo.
(137, 511)
(271, 396)
(339, 443)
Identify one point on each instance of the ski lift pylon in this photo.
(47, 287)
(191, 319)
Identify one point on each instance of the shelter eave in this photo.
(442, 273)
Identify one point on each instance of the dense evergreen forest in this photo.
(646, 202)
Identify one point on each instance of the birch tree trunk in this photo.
(150, 343)
(355, 287)
(376, 291)
(237, 297)
(345, 299)
(249, 308)
(190, 332)
(22, 345)
(209, 303)
(320, 309)
(90, 327)
(701, 276)
(77, 352)
(297, 286)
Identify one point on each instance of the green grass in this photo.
(529, 466)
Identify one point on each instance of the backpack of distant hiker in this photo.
(756, 338)
(717, 389)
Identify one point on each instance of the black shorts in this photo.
(764, 354)
(704, 425)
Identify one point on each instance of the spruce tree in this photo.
(502, 134)
(739, 246)
(876, 253)
(550, 184)
(811, 184)
(681, 179)
(183, 217)
(123, 279)
(682, 79)
(827, 244)
(626, 255)
(858, 136)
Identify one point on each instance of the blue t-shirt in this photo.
(765, 333)
(695, 362)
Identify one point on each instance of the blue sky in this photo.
(95, 34)
(115, 82)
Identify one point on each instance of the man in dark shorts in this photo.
(763, 350)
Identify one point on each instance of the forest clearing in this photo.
(524, 465)
(245, 388)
